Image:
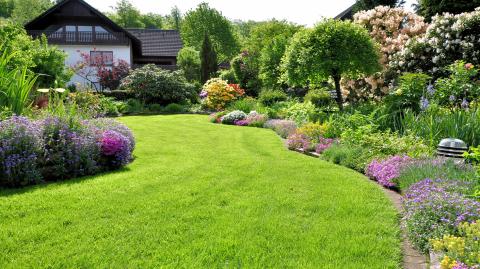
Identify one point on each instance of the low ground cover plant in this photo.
(434, 208)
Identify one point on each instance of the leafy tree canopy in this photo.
(205, 20)
(127, 15)
(429, 8)
(189, 63)
(23, 11)
(332, 49)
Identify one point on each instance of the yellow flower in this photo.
(43, 90)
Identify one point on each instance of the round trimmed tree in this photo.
(332, 49)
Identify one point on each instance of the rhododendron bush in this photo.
(217, 93)
(391, 28)
(448, 38)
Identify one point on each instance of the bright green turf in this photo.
(201, 195)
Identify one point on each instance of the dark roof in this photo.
(347, 14)
(155, 42)
(41, 19)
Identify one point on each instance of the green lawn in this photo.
(201, 195)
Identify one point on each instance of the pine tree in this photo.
(208, 59)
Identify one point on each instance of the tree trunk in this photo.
(337, 78)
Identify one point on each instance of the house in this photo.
(347, 14)
(76, 27)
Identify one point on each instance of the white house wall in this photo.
(73, 51)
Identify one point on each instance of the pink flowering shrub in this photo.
(298, 141)
(324, 144)
(391, 28)
(387, 170)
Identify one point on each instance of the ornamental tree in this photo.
(208, 60)
(332, 49)
(97, 70)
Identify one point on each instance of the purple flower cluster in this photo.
(298, 141)
(245, 122)
(116, 147)
(55, 148)
(461, 265)
(203, 94)
(253, 119)
(20, 146)
(324, 144)
(70, 150)
(434, 208)
(284, 128)
(387, 170)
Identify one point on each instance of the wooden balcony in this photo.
(82, 38)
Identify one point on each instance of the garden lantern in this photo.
(452, 148)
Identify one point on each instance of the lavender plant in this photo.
(20, 146)
(283, 128)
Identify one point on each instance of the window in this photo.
(71, 33)
(99, 57)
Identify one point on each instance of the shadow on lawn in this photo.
(5, 192)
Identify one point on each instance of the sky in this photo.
(304, 12)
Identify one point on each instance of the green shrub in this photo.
(245, 104)
(174, 108)
(134, 106)
(319, 97)
(121, 95)
(349, 156)
(155, 108)
(300, 112)
(339, 123)
(109, 107)
(153, 85)
(313, 131)
(189, 63)
(385, 143)
(460, 88)
(271, 97)
(229, 76)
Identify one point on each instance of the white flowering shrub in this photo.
(233, 116)
(449, 38)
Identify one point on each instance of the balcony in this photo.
(82, 38)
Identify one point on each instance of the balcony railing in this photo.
(91, 38)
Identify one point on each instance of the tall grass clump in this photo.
(435, 124)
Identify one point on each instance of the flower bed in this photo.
(50, 149)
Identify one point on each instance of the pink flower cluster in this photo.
(391, 28)
(324, 144)
(298, 141)
(387, 170)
